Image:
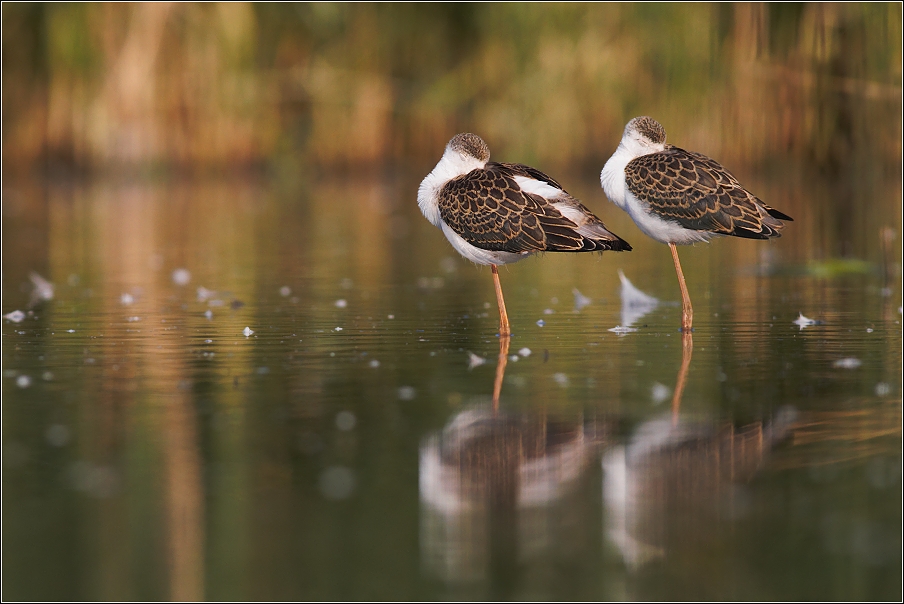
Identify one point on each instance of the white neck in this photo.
(612, 178)
(452, 165)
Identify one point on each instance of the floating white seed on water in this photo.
(622, 330)
(847, 363)
(525, 352)
(475, 361)
(340, 303)
(43, 289)
(659, 392)
(247, 331)
(181, 276)
(17, 316)
(580, 300)
(802, 321)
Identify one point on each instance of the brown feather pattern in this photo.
(488, 209)
(699, 194)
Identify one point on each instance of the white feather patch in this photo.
(571, 213)
(586, 227)
(538, 187)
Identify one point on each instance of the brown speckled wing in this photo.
(489, 210)
(699, 194)
(522, 170)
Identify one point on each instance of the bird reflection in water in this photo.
(676, 478)
(490, 483)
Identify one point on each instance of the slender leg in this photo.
(687, 350)
(504, 329)
(687, 312)
(500, 370)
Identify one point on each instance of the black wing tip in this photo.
(780, 215)
(616, 244)
(748, 234)
(556, 243)
(608, 245)
(620, 245)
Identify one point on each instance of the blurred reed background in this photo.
(220, 86)
(191, 471)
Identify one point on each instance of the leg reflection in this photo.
(687, 350)
(493, 487)
(504, 328)
(504, 342)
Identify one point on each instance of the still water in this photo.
(346, 445)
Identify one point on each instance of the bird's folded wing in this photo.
(490, 210)
(526, 172)
(699, 194)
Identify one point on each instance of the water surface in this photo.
(349, 447)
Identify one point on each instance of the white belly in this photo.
(477, 255)
(612, 178)
(662, 230)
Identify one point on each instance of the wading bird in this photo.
(679, 197)
(497, 213)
